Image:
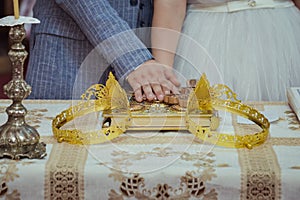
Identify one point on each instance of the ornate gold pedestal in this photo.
(18, 139)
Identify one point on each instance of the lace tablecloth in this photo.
(156, 165)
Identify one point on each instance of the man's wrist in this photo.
(152, 60)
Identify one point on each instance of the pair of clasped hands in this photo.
(152, 81)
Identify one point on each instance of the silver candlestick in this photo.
(17, 138)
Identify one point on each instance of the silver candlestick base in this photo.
(18, 139)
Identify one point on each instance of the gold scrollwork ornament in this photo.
(203, 103)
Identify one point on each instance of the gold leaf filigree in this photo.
(97, 91)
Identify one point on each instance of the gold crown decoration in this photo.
(198, 114)
(221, 97)
(107, 98)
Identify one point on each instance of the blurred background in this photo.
(6, 8)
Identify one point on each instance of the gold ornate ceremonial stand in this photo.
(18, 139)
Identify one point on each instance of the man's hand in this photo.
(154, 80)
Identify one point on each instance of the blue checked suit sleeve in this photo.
(112, 35)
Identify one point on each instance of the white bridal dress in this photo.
(251, 46)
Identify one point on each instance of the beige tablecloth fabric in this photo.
(156, 165)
